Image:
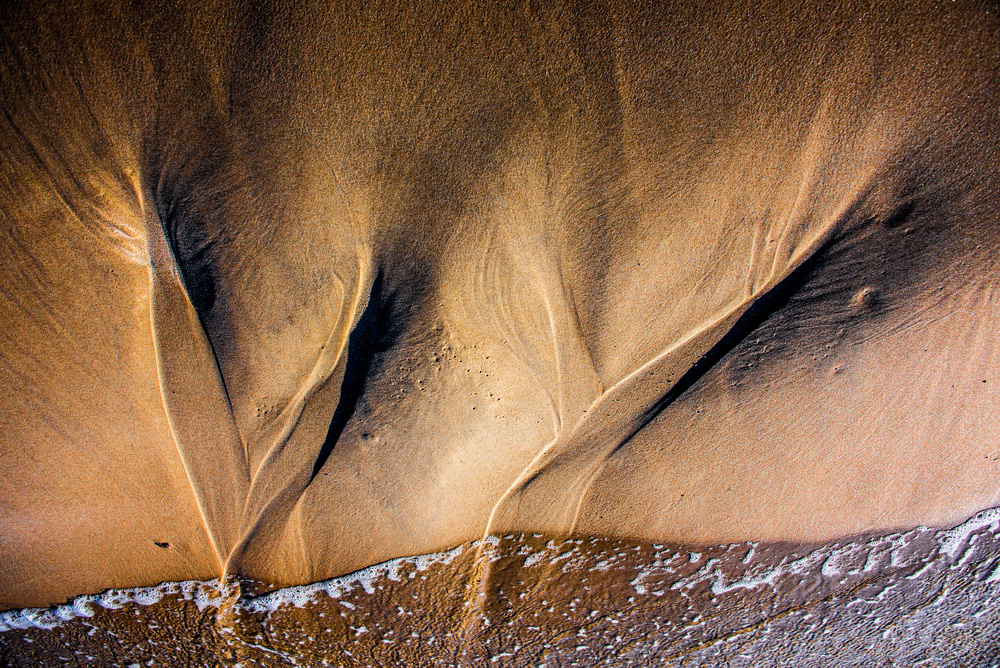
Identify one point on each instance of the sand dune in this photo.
(289, 291)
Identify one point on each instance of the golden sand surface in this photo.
(291, 289)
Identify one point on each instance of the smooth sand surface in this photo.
(291, 290)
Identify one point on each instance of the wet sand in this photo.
(919, 597)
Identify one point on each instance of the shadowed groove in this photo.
(367, 339)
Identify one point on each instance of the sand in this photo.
(290, 291)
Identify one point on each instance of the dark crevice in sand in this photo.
(367, 339)
(754, 317)
(901, 214)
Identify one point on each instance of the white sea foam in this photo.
(366, 578)
(958, 538)
(955, 544)
(203, 594)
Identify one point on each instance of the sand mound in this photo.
(290, 291)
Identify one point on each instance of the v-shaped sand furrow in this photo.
(195, 398)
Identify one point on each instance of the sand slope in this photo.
(291, 290)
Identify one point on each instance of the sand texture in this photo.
(290, 289)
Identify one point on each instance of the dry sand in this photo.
(289, 291)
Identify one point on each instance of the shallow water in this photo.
(923, 597)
